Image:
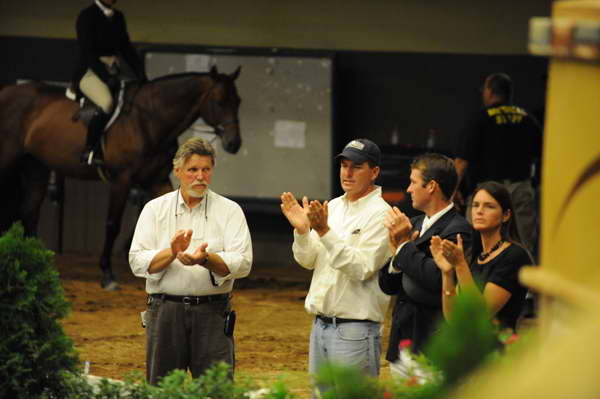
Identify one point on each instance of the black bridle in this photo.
(219, 128)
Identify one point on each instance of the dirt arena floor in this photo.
(271, 335)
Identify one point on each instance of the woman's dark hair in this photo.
(508, 230)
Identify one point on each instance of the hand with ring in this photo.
(439, 255)
(454, 253)
(399, 226)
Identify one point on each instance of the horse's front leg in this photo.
(119, 190)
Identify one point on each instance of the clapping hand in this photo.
(295, 213)
(197, 257)
(436, 248)
(180, 241)
(454, 253)
(399, 226)
(317, 215)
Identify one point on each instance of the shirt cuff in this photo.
(220, 280)
(329, 239)
(147, 259)
(302, 239)
(391, 268)
(230, 261)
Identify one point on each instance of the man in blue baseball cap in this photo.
(345, 243)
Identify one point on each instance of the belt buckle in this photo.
(186, 300)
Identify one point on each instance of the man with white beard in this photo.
(190, 245)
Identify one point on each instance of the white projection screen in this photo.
(285, 121)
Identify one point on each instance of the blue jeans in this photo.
(351, 344)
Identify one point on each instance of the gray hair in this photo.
(193, 146)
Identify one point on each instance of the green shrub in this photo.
(34, 349)
(464, 342)
(214, 384)
(345, 382)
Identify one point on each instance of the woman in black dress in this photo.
(496, 257)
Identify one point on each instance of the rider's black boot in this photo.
(95, 130)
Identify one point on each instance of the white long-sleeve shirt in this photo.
(216, 220)
(346, 260)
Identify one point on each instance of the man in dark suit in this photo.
(411, 273)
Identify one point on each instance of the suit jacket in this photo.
(418, 287)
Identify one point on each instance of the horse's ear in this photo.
(236, 73)
(213, 71)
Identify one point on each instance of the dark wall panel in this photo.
(36, 58)
(413, 92)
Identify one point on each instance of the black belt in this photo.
(192, 300)
(339, 320)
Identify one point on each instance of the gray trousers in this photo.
(186, 337)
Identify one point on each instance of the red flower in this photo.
(512, 339)
(405, 343)
(388, 395)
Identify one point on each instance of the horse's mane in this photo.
(184, 75)
(177, 75)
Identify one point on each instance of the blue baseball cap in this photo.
(361, 151)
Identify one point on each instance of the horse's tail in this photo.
(11, 199)
(10, 179)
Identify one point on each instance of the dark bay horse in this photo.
(37, 135)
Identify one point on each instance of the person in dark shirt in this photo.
(502, 142)
(497, 256)
(102, 37)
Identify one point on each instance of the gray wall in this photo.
(285, 120)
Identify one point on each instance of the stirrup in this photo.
(85, 157)
(88, 158)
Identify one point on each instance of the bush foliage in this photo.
(33, 347)
(214, 384)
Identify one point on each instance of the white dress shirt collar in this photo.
(182, 206)
(376, 192)
(429, 221)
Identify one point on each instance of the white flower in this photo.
(258, 394)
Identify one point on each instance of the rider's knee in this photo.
(106, 104)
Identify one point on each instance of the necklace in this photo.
(484, 255)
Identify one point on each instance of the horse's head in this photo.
(224, 102)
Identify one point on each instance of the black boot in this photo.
(95, 130)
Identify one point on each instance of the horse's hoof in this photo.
(111, 285)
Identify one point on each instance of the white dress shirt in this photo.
(216, 220)
(346, 260)
(429, 221)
